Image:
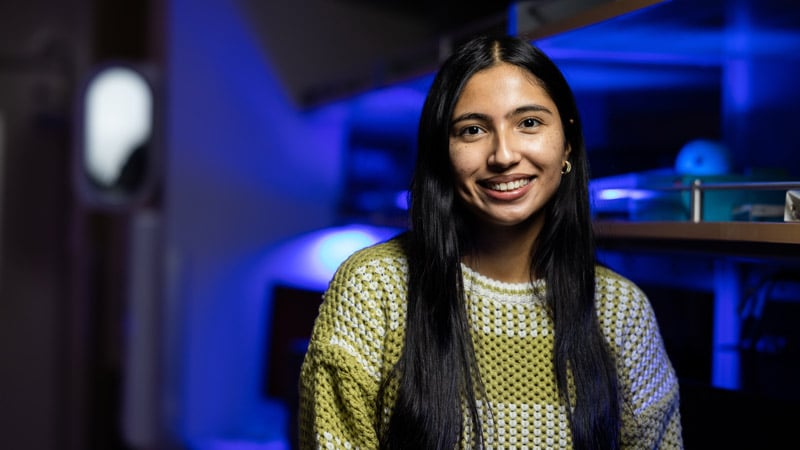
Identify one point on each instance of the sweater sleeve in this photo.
(336, 407)
(648, 383)
(340, 376)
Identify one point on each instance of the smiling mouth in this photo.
(510, 186)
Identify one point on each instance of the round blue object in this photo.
(703, 157)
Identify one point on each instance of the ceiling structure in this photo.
(324, 50)
(446, 16)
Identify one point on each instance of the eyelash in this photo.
(530, 122)
(472, 130)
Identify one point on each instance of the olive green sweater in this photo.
(358, 336)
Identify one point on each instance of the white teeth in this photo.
(503, 187)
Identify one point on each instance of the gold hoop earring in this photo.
(566, 168)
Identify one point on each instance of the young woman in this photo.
(490, 324)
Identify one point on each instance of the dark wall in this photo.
(60, 284)
(42, 50)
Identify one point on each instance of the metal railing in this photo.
(697, 188)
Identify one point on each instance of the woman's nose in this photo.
(503, 153)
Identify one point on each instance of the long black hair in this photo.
(436, 374)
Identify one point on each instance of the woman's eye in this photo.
(471, 130)
(530, 122)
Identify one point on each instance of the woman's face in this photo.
(507, 146)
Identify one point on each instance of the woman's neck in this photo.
(503, 253)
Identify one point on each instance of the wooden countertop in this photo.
(756, 232)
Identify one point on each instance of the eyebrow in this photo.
(517, 111)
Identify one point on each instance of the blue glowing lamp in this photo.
(703, 157)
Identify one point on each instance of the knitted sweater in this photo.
(358, 336)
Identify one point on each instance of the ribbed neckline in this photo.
(477, 283)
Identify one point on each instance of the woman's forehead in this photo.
(503, 83)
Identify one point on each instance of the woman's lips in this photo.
(507, 189)
(508, 186)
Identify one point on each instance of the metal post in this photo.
(696, 202)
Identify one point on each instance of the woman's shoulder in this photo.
(612, 284)
(607, 275)
(618, 296)
(370, 283)
(391, 249)
(387, 255)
